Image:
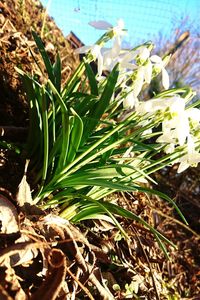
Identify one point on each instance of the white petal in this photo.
(156, 59)
(194, 158)
(128, 66)
(120, 23)
(118, 30)
(83, 49)
(148, 72)
(129, 101)
(194, 114)
(190, 144)
(145, 53)
(138, 82)
(165, 138)
(101, 25)
(182, 129)
(169, 148)
(115, 51)
(183, 166)
(100, 64)
(165, 79)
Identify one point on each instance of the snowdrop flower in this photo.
(95, 51)
(161, 104)
(194, 117)
(119, 29)
(144, 53)
(175, 126)
(177, 123)
(130, 101)
(107, 59)
(139, 81)
(126, 60)
(154, 60)
(148, 71)
(158, 62)
(118, 32)
(116, 55)
(192, 158)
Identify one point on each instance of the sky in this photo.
(144, 19)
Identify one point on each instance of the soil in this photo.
(138, 264)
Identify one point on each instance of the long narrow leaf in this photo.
(65, 128)
(92, 80)
(45, 130)
(45, 56)
(97, 111)
(57, 73)
(75, 137)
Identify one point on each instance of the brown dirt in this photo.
(121, 262)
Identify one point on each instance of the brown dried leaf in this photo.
(14, 284)
(8, 216)
(19, 253)
(55, 278)
(4, 294)
(24, 192)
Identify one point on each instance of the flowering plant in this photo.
(94, 135)
(180, 123)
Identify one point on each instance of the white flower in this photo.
(175, 126)
(192, 158)
(95, 50)
(118, 32)
(149, 62)
(119, 29)
(155, 61)
(144, 53)
(139, 81)
(126, 60)
(170, 148)
(175, 104)
(158, 62)
(194, 117)
(148, 71)
(129, 101)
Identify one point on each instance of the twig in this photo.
(13, 133)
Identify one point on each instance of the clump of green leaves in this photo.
(83, 145)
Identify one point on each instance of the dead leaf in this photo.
(14, 284)
(55, 278)
(19, 253)
(8, 216)
(24, 192)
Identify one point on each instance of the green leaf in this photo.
(45, 56)
(74, 81)
(45, 131)
(35, 135)
(57, 73)
(92, 80)
(65, 128)
(97, 110)
(89, 208)
(75, 136)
